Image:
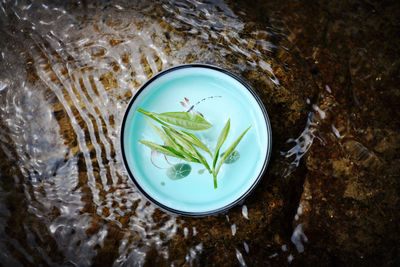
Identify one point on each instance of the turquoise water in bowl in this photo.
(223, 97)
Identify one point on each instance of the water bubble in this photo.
(273, 255)
(3, 85)
(327, 88)
(335, 131)
(239, 256)
(290, 258)
(245, 212)
(298, 237)
(246, 247)
(233, 228)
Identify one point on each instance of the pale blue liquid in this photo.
(196, 193)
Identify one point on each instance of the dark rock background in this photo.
(334, 188)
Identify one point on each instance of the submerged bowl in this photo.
(217, 95)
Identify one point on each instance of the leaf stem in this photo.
(215, 180)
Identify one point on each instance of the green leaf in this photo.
(145, 112)
(152, 115)
(190, 121)
(179, 171)
(181, 145)
(204, 161)
(185, 120)
(187, 136)
(221, 140)
(233, 157)
(185, 146)
(229, 150)
(161, 134)
(169, 151)
(195, 141)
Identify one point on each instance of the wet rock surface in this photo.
(327, 73)
(350, 192)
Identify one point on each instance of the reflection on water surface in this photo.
(68, 70)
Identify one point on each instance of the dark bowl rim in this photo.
(249, 190)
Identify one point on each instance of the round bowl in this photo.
(186, 188)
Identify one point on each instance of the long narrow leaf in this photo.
(185, 120)
(190, 121)
(152, 115)
(187, 136)
(229, 150)
(145, 112)
(187, 146)
(195, 141)
(169, 151)
(181, 145)
(169, 141)
(161, 134)
(221, 140)
(204, 161)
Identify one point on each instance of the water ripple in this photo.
(65, 85)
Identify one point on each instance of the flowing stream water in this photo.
(67, 72)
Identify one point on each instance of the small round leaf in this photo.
(179, 171)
